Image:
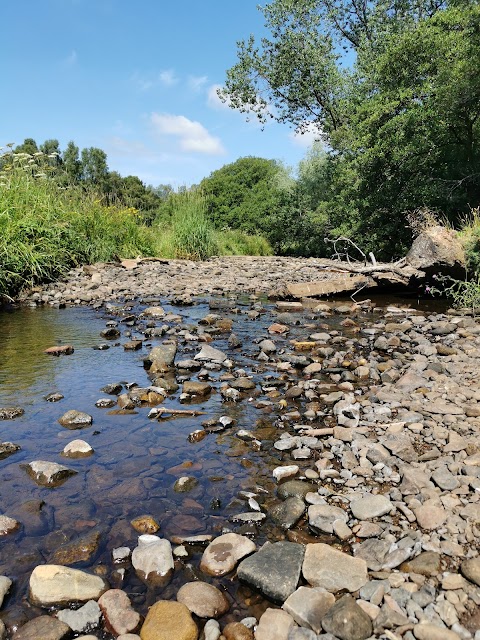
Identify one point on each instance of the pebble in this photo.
(203, 599)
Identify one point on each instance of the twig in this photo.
(159, 411)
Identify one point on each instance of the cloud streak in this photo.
(191, 135)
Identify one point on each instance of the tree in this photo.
(394, 92)
(28, 146)
(94, 167)
(71, 163)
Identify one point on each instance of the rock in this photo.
(8, 525)
(56, 585)
(204, 600)
(5, 584)
(308, 606)
(161, 358)
(10, 413)
(120, 617)
(274, 624)
(425, 564)
(145, 524)
(153, 559)
(321, 517)
(236, 631)
(49, 474)
(470, 569)
(185, 484)
(7, 448)
(44, 628)
(77, 449)
(274, 570)
(288, 513)
(83, 619)
(222, 555)
(347, 413)
(210, 354)
(154, 312)
(294, 488)
(347, 621)
(64, 350)
(429, 631)
(192, 388)
(430, 515)
(168, 620)
(83, 549)
(370, 506)
(280, 473)
(333, 570)
(437, 250)
(75, 419)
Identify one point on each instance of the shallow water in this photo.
(136, 459)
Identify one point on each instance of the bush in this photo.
(193, 235)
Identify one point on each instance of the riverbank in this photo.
(344, 435)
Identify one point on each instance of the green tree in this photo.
(28, 146)
(71, 163)
(94, 167)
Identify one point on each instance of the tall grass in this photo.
(193, 235)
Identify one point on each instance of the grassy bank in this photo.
(46, 228)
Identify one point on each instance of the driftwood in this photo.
(159, 411)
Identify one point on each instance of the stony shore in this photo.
(377, 491)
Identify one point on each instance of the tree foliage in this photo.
(394, 92)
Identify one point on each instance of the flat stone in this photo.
(57, 585)
(430, 516)
(49, 474)
(85, 618)
(293, 488)
(203, 599)
(307, 607)
(83, 549)
(222, 555)
(44, 628)
(154, 312)
(63, 350)
(370, 506)
(210, 354)
(321, 517)
(425, 564)
(429, 631)
(374, 551)
(347, 621)
(470, 569)
(333, 570)
(75, 419)
(193, 388)
(77, 449)
(8, 525)
(274, 624)
(152, 559)
(444, 479)
(274, 570)
(288, 513)
(169, 620)
(287, 471)
(119, 615)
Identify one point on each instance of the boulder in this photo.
(52, 584)
(167, 620)
(437, 250)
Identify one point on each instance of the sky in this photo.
(137, 79)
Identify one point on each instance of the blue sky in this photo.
(136, 79)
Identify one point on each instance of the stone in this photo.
(370, 506)
(5, 584)
(425, 564)
(274, 570)
(333, 570)
(152, 559)
(430, 515)
(222, 555)
(293, 488)
(374, 551)
(288, 513)
(154, 312)
(119, 615)
(274, 624)
(77, 449)
(57, 585)
(161, 358)
(8, 525)
(10, 413)
(169, 620)
(63, 350)
(203, 599)
(145, 524)
(193, 388)
(438, 250)
(210, 354)
(83, 549)
(44, 628)
(287, 471)
(236, 631)
(49, 474)
(307, 607)
(429, 631)
(347, 621)
(75, 419)
(83, 619)
(470, 569)
(321, 517)
(7, 449)
(347, 413)
(185, 484)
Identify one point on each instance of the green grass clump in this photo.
(469, 235)
(234, 242)
(193, 235)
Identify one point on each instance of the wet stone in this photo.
(83, 619)
(7, 449)
(55, 584)
(222, 555)
(347, 621)
(288, 513)
(152, 559)
(185, 484)
(203, 599)
(294, 488)
(145, 524)
(44, 627)
(84, 549)
(10, 413)
(5, 584)
(274, 570)
(49, 474)
(120, 617)
(77, 449)
(75, 419)
(8, 525)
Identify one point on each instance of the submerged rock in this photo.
(49, 474)
(44, 627)
(75, 419)
(9, 413)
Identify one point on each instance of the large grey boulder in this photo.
(437, 250)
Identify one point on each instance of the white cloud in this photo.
(213, 99)
(196, 82)
(192, 136)
(305, 138)
(168, 77)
